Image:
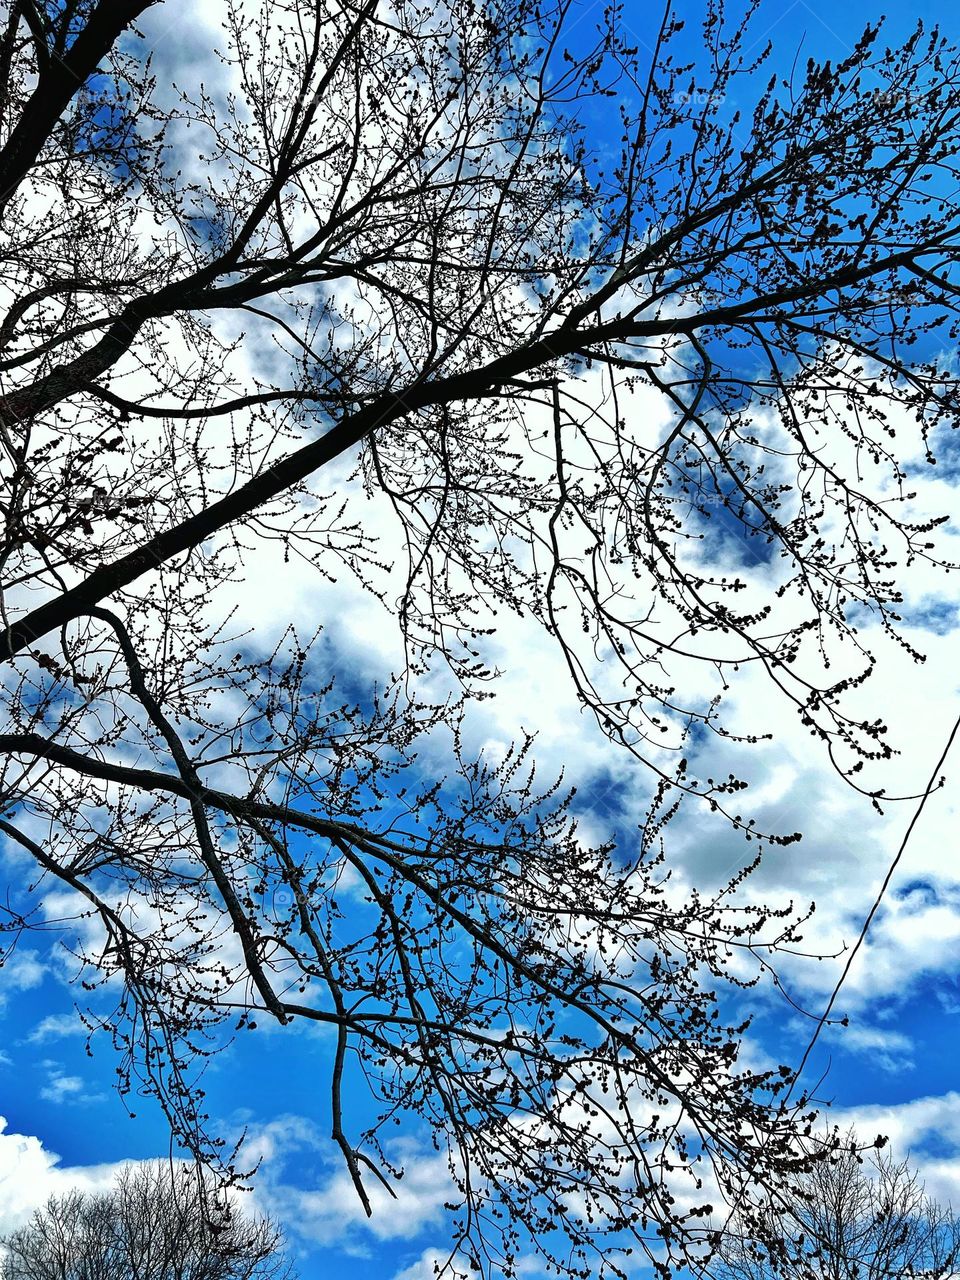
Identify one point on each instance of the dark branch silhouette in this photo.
(665, 411)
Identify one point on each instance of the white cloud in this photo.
(429, 1264)
(30, 1174)
(61, 1087)
(323, 1206)
(331, 1213)
(890, 1050)
(278, 1140)
(22, 970)
(845, 853)
(55, 1026)
(927, 1130)
(847, 846)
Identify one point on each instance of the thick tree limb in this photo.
(59, 80)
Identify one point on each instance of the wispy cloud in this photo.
(61, 1087)
(890, 1050)
(55, 1026)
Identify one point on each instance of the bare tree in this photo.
(382, 240)
(850, 1217)
(154, 1225)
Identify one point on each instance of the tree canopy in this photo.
(156, 1223)
(854, 1216)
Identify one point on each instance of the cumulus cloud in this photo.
(326, 1209)
(30, 1173)
(848, 845)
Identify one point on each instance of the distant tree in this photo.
(378, 240)
(852, 1217)
(157, 1223)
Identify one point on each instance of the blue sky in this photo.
(893, 1068)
